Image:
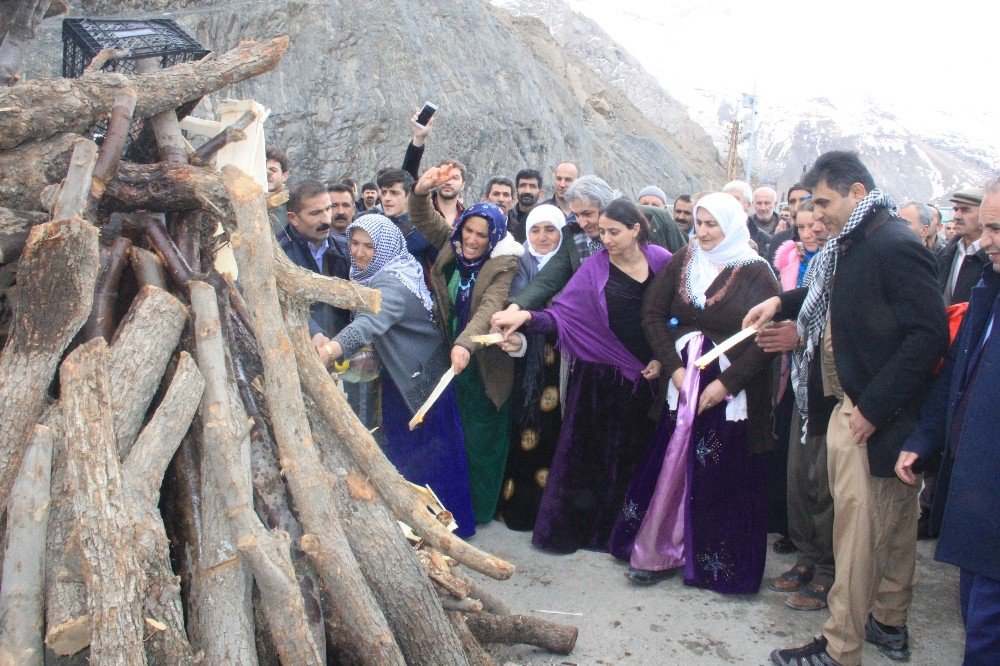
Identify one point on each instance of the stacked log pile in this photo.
(181, 480)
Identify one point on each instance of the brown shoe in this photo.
(792, 580)
(811, 598)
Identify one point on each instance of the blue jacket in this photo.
(967, 497)
(416, 244)
(324, 318)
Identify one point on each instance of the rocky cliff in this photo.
(509, 95)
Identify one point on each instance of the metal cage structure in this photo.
(84, 38)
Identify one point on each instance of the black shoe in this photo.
(783, 546)
(647, 577)
(893, 642)
(812, 653)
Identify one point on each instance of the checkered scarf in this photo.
(818, 279)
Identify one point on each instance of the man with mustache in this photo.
(309, 239)
(961, 262)
(342, 200)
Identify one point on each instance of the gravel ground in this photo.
(670, 623)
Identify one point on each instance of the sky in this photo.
(927, 63)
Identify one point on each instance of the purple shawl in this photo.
(581, 313)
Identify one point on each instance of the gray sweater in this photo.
(408, 342)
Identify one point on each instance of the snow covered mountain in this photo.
(914, 153)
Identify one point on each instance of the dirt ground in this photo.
(670, 623)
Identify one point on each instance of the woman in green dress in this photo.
(470, 279)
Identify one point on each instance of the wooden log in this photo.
(50, 311)
(450, 603)
(23, 593)
(271, 499)
(491, 603)
(267, 553)
(474, 652)
(27, 170)
(140, 352)
(20, 31)
(138, 358)
(163, 188)
(103, 57)
(43, 108)
(231, 134)
(304, 285)
(67, 629)
(119, 126)
(167, 131)
(143, 471)
(395, 575)
(101, 321)
(73, 193)
(19, 221)
(365, 635)
(514, 629)
(115, 580)
(166, 249)
(148, 268)
(391, 487)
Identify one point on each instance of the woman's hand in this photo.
(513, 344)
(762, 313)
(677, 376)
(713, 394)
(319, 341)
(460, 358)
(652, 370)
(433, 178)
(509, 320)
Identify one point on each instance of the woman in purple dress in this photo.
(698, 500)
(606, 428)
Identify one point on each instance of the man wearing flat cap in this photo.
(961, 262)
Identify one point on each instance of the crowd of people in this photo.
(616, 412)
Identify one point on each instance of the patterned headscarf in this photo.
(468, 270)
(390, 255)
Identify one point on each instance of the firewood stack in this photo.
(182, 480)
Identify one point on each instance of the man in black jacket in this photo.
(961, 262)
(874, 318)
(309, 241)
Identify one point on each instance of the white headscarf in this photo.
(734, 250)
(538, 215)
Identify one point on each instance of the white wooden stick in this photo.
(418, 418)
(488, 339)
(725, 346)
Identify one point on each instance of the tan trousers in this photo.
(874, 543)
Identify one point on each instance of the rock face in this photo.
(509, 95)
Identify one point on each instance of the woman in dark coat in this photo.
(536, 417)
(471, 279)
(699, 498)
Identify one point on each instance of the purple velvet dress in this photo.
(606, 430)
(716, 491)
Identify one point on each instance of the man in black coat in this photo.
(961, 262)
(309, 241)
(874, 318)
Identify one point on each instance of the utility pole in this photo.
(750, 102)
(733, 160)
